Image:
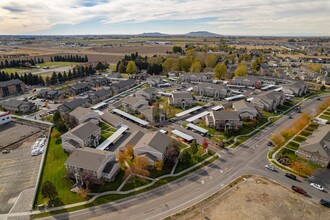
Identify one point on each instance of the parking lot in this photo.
(13, 132)
(18, 172)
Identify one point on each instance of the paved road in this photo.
(248, 158)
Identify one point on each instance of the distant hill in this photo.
(153, 34)
(202, 34)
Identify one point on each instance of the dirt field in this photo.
(259, 198)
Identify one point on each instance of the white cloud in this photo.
(226, 17)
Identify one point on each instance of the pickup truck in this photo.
(299, 190)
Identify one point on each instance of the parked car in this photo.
(299, 190)
(270, 167)
(270, 143)
(289, 116)
(317, 186)
(5, 151)
(318, 99)
(291, 176)
(325, 203)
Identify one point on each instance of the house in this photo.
(113, 120)
(245, 109)
(18, 106)
(148, 93)
(223, 120)
(83, 115)
(5, 117)
(99, 96)
(133, 103)
(153, 145)
(97, 81)
(150, 114)
(79, 88)
(325, 81)
(154, 81)
(69, 106)
(296, 89)
(317, 147)
(191, 77)
(95, 163)
(84, 135)
(216, 91)
(181, 99)
(11, 87)
(114, 75)
(264, 69)
(269, 101)
(50, 94)
(122, 86)
(246, 81)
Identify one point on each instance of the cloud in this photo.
(251, 17)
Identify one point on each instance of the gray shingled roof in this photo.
(80, 112)
(83, 131)
(10, 82)
(88, 158)
(156, 140)
(225, 115)
(182, 95)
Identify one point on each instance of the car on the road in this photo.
(5, 151)
(270, 167)
(270, 143)
(289, 116)
(291, 176)
(317, 186)
(299, 190)
(325, 203)
(318, 99)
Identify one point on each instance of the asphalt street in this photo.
(248, 158)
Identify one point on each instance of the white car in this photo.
(317, 186)
(270, 167)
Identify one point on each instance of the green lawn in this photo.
(48, 118)
(292, 145)
(312, 127)
(106, 131)
(305, 133)
(326, 117)
(109, 186)
(135, 182)
(167, 168)
(16, 70)
(299, 139)
(268, 114)
(55, 172)
(58, 64)
(200, 156)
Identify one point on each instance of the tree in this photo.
(131, 67)
(140, 166)
(170, 64)
(194, 147)
(185, 157)
(57, 118)
(48, 190)
(205, 145)
(101, 66)
(83, 193)
(196, 67)
(62, 127)
(220, 70)
(241, 69)
(125, 156)
(159, 165)
(177, 49)
(211, 60)
(173, 150)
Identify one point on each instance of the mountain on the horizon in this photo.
(202, 34)
(153, 34)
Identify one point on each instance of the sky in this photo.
(227, 17)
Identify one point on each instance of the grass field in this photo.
(299, 139)
(58, 64)
(293, 146)
(55, 172)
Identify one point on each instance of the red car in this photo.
(299, 190)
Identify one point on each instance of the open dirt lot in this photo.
(259, 198)
(18, 172)
(14, 132)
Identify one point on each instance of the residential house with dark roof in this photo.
(83, 115)
(154, 81)
(134, 103)
(195, 77)
(97, 164)
(69, 106)
(147, 93)
(245, 109)
(150, 114)
(11, 87)
(84, 135)
(181, 99)
(122, 86)
(153, 145)
(246, 81)
(113, 120)
(99, 96)
(217, 91)
(317, 147)
(17, 106)
(97, 81)
(50, 94)
(269, 101)
(298, 88)
(79, 88)
(223, 120)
